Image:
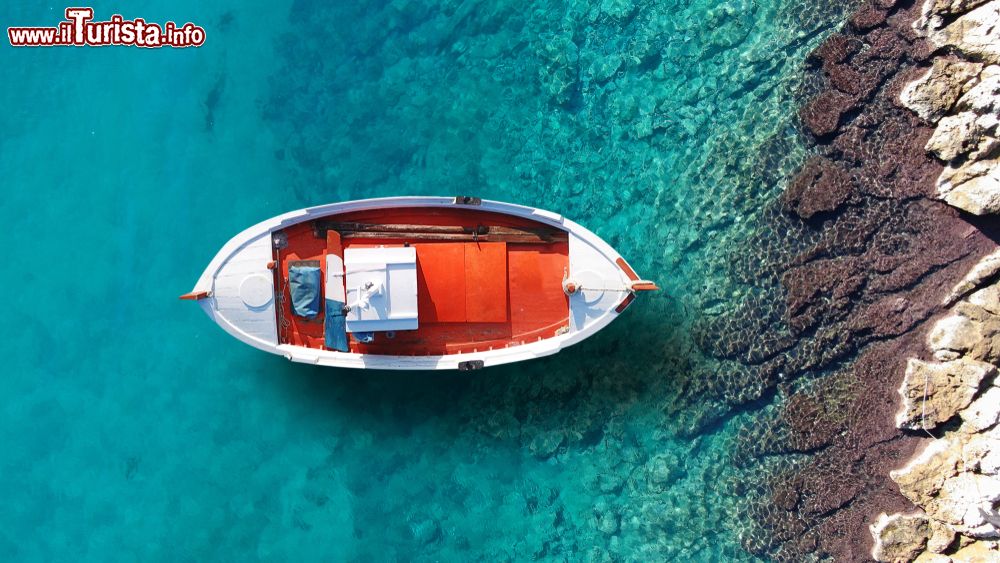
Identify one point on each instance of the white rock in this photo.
(952, 7)
(941, 538)
(979, 196)
(933, 11)
(946, 355)
(973, 133)
(983, 451)
(988, 298)
(972, 187)
(932, 393)
(984, 269)
(982, 97)
(984, 412)
(977, 552)
(966, 134)
(990, 463)
(947, 481)
(924, 475)
(966, 502)
(955, 332)
(976, 33)
(952, 135)
(932, 95)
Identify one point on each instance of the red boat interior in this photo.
(484, 280)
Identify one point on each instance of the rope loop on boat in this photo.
(571, 287)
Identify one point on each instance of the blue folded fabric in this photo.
(335, 326)
(304, 285)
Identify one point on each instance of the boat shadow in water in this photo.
(629, 369)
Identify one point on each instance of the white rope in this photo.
(618, 289)
(923, 406)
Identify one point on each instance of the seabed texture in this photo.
(681, 132)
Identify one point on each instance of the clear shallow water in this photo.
(134, 428)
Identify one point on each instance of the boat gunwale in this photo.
(540, 348)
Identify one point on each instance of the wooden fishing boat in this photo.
(416, 283)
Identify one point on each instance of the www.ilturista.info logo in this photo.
(80, 30)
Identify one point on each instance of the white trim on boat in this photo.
(592, 266)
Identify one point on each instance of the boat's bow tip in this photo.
(196, 295)
(644, 285)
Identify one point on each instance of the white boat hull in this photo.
(234, 303)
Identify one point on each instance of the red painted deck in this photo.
(472, 296)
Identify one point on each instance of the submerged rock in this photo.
(899, 538)
(822, 114)
(546, 444)
(820, 186)
(664, 469)
(425, 530)
(867, 17)
(606, 521)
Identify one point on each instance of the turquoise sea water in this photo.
(134, 429)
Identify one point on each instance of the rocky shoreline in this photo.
(898, 194)
(954, 481)
(960, 94)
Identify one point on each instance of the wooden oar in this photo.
(398, 228)
(520, 238)
(440, 232)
